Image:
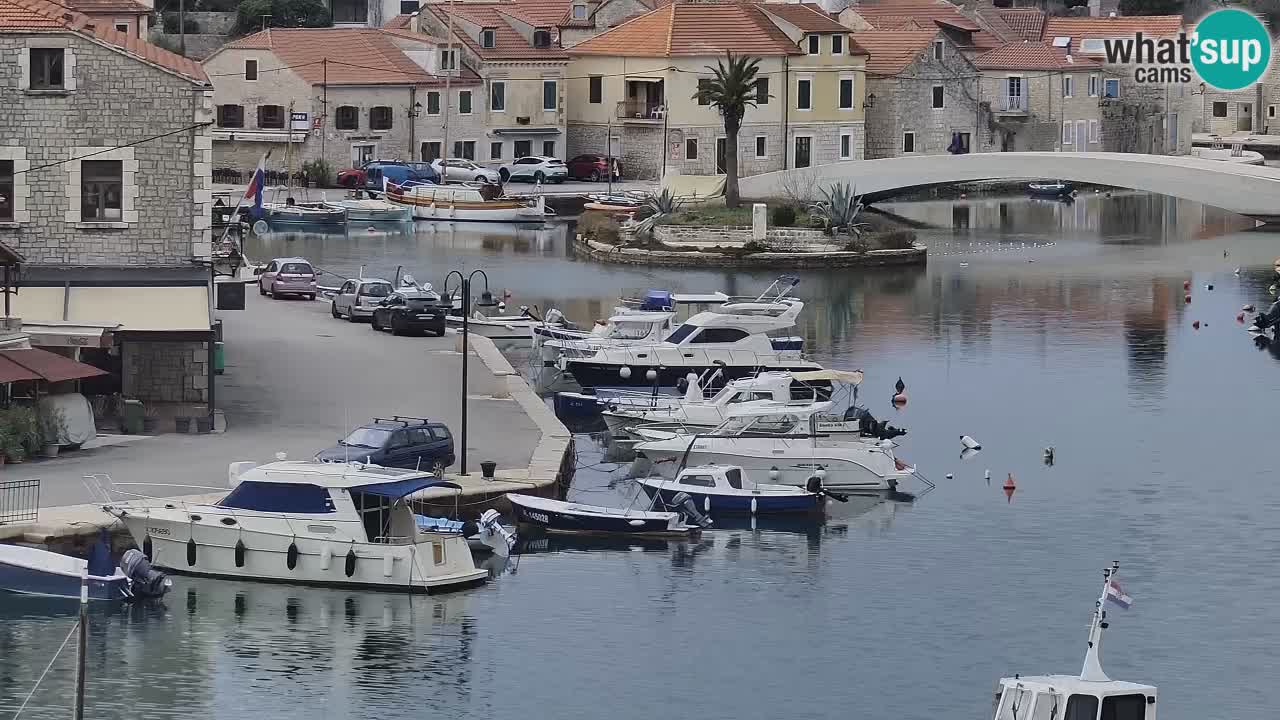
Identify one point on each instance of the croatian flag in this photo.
(256, 185)
(1118, 596)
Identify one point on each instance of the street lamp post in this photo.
(486, 300)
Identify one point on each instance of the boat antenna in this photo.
(1092, 671)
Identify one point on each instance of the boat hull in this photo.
(593, 374)
(317, 217)
(550, 520)
(29, 581)
(745, 504)
(842, 475)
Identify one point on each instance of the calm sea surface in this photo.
(1035, 324)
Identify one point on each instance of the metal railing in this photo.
(19, 501)
(1014, 103)
(640, 110)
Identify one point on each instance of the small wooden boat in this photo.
(570, 517)
(317, 213)
(372, 210)
(467, 202)
(1053, 189)
(717, 489)
(31, 571)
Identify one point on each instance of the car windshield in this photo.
(367, 437)
(296, 268)
(375, 290)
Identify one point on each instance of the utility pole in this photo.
(453, 63)
(182, 27)
(324, 101)
(413, 122)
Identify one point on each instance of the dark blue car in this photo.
(404, 442)
(398, 173)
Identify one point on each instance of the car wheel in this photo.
(595, 176)
(373, 322)
(311, 297)
(333, 309)
(272, 292)
(539, 176)
(351, 315)
(395, 327)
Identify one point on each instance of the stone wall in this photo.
(165, 371)
(904, 103)
(198, 45)
(112, 100)
(602, 252)
(783, 239)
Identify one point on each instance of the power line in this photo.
(56, 163)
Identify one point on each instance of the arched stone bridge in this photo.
(1250, 190)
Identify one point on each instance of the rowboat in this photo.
(303, 214)
(466, 202)
(372, 210)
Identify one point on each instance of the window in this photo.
(1124, 707)
(908, 142)
(813, 44)
(431, 151)
(1081, 707)
(498, 96)
(47, 69)
(837, 44)
(579, 12)
(433, 103)
(437, 553)
(595, 89)
(846, 146)
(522, 148)
(495, 151)
(1219, 109)
(6, 191)
(1068, 135)
(1093, 86)
(938, 96)
(124, 28)
(704, 84)
(698, 480)
(448, 59)
(1068, 86)
(251, 70)
(1271, 111)
(719, 335)
(690, 153)
(804, 98)
(101, 190)
(1111, 88)
(408, 7)
(762, 147)
(762, 91)
(380, 118)
(347, 117)
(488, 38)
(465, 149)
(351, 12)
(464, 102)
(937, 49)
(549, 95)
(846, 93)
(549, 148)
(230, 116)
(804, 152)
(271, 117)
(542, 38)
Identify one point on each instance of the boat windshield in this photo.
(367, 437)
(763, 424)
(623, 330)
(681, 333)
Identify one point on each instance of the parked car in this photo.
(288, 276)
(370, 176)
(357, 299)
(405, 442)
(462, 170)
(594, 168)
(410, 311)
(535, 168)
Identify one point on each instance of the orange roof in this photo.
(1029, 55)
(1101, 28)
(132, 7)
(808, 17)
(509, 44)
(1027, 22)
(688, 29)
(897, 14)
(356, 56)
(44, 15)
(400, 22)
(545, 13)
(893, 50)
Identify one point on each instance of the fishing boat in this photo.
(1089, 695)
(368, 210)
(31, 571)
(560, 516)
(619, 203)
(465, 202)
(306, 213)
(1053, 189)
(308, 522)
(729, 489)
(498, 327)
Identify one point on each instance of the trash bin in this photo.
(219, 358)
(131, 416)
(487, 468)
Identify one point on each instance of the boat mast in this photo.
(1092, 670)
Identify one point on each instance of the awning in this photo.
(399, 488)
(45, 365)
(142, 309)
(527, 131)
(11, 371)
(51, 334)
(853, 377)
(644, 79)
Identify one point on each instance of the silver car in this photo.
(288, 276)
(357, 299)
(535, 168)
(462, 170)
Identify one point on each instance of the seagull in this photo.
(969, 443)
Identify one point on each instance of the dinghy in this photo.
(31, 571)
(726, 489)
(570, 517)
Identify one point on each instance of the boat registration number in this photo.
(158, 531)
(537, 517)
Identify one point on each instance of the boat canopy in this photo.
(302, 498)
(852, 377)
(400, 488)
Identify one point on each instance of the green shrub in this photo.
(283, 14)
(52, 423)
(19, 431)
(782, 216)
(318, 172)
(189, 25)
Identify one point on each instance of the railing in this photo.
(640, 110)
(1014, 103)
(19, 501)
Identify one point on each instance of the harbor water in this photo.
(1035, 324)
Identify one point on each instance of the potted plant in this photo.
(317, 172)
(51, 424)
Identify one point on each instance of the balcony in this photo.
(1011, 105)
(642, 111)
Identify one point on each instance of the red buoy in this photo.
(900, 399)
(1186, 284)
(1008, 493)
(1187, 298)
(1009, 484)
(1195, 324)
(1240, 318)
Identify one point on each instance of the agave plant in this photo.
(839, 210)
(658, 206)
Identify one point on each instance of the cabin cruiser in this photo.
(1086, 696)
(642, 320)
(788, 444)
(308, 522)
(728, 489)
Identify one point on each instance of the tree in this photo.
(732, 89)
(282, 14)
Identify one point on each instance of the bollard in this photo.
(487, 469)
(759, 221)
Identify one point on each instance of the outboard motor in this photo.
(684, 504)
(814, 485)
(868, 426)
(491, 533)
(145, 581)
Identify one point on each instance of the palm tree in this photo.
(732, 89)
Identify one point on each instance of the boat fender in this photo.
(624, 372)
(147, 547)
(753, 506)
(326, 554)
(291, 557)
(388, 565)
(706, 503)
(351, 562)
(240, 549)
(191, 552)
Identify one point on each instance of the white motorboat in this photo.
(32, 571)
(646, 319)
(371, 210)
(308, 522)
(786, 443)
(291, 213)
(466, 202)
(728, 489)
(561, 516)
(1086, 696)
(498, 327)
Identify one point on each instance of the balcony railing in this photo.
(640, 110)
(1013, 103)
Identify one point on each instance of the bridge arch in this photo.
(1250, 190)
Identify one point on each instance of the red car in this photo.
(351, 178)
(594, 168)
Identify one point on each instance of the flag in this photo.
(256, 184)
(1118, 596)
(389, 187)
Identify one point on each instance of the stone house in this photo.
(300, 94)
(368, 13)
(1252, 110)
(1039, 98)
(109, 204)
(634, 88)
(578, 20)
(922, 95)
(131, 17)
(971, 37)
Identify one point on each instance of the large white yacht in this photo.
(308, 522)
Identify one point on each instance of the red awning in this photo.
(11, 371)
(44, 365)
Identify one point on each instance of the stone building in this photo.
(1039, 98)
(105, 159)
(971, 37)
(131, 17)
(578, 20)
(345, 95)
(922, 95)
(1254, 110)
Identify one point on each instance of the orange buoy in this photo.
(1009, 484)
(1240, 318)
(1195, 324)
(900, 399)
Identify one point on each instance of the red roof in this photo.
(509, 43)
(809, 17)
(400, 22)
(919, 14)
(1027, 22)
(892, 51)
(1101, 28)
(1028, 55)
(546, 13)
(45, 15)
(355, 56)
(687, 29)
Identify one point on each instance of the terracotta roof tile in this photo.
(808, 17)
(400, 22)
(356, 56)
(1100, 28)
(44, 15)
(893, 50)
(545, 13)
(102, 6)
(1029, 55)
(509, 44)
(897, 14)
(1027, 22)
(689, 29)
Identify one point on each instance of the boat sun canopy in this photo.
(302, 498)
(852, 377)
(397, 489)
